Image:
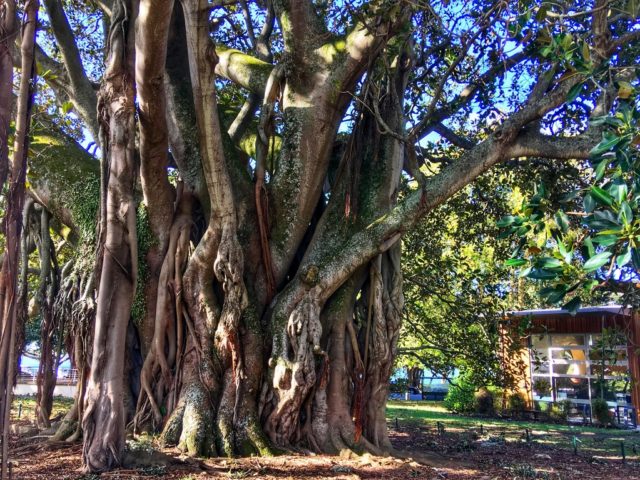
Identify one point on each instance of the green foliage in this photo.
(457, 287)
(461, 396)
(559, 411)
(542, 387)
(589, 239)
(86, 203)
(60, 166)
(604, 356)
(600, 412)
(517, 403)
(146, 241)
(400, 385)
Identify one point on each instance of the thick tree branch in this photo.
(152, 29)
(243, 69)
(302, 29)
(84, 96)
(381, 234)
(261, 45)
(12, 220)
(452, 137)
(535, 144)
(626, 39)
(313, 110)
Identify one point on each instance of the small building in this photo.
(591, 354)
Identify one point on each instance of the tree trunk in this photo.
(8, 32)
(12, 223)
(103, 421)
(206, 361)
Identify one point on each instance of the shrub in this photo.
(498, 395)
(484, 402)
(541, 406)
(600, 410)
(560, 411)
(517, 403)
(460, 397)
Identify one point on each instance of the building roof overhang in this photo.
(610, 309)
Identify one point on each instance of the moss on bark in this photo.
(67, 180)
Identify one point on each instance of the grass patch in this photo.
(23, 407)
(593, 441)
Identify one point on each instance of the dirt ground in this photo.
(421, 453)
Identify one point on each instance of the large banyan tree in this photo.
(232, 269)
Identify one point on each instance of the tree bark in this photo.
(47, 368)
(12, 223)
(8, 32)
(103, 422)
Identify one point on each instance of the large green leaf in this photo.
(609, 141)
(601, 196)
(542, 274)
(515, 262)
(574, 92)
(596, 261)
(623, 258)
(625, 215)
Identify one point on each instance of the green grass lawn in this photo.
(594, 441)
(24, 406)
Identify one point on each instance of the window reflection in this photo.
(569, 366)
(567, 340)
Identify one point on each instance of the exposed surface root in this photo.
(294, 372)
(157, 377)
(190, 426)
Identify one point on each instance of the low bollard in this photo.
(575, 442)
(622, 453)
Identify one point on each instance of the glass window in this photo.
(617, 370)
(571, 388)
(541, 387)
(577, 369)
(609, 389)
(567, 340)
(620, 354)
(541, 367)
(539, 342)
(569, 354)
(539, 361)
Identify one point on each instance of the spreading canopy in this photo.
(261, 161)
